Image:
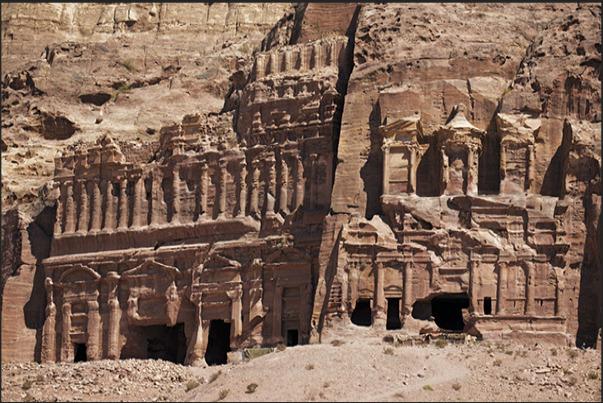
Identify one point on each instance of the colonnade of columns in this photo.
(105, 205)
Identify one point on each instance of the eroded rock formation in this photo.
(365, 167)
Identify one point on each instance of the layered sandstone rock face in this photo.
(219, 177)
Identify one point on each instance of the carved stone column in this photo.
(243, 188)
(222, 202)
(503, 161)
(255, 190)
(529, 307)
(313, 180)
(353, 288)
(501, 297)
(271, 193)
(379, 316)
(110, 211)
(66, 345)
(197, 356)
(113, 350)
(235, 313)
(299, 182)
(176, 194)
(412, 174)
(260, 67)
(82, 223)
(385, 149)
(473, 286)
(317, 56)
(333, 51)
(559, 302)
(58, 224)
(273, 63)
(445, 172)
(49, 332)
(472, 169)
(123, 204)
(278, 313)
(305, 311)
(284, 184)
(407, 307)
(288, 60)
(69, 208)
(155, 202)
(93, 350)
(137, 210)
(204, 189)
(96, 206)
(303, 63)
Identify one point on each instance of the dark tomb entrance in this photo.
(362, 313)
(292, 337)
(80, 353)
(218, 342)
(487, 306)
(393, 314)
(166, 343)
(447, 311)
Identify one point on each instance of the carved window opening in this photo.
(393, 314)
(292, 337)
(166, 343)
(80, 354)
(218, 342)
(362, 312)
(447, 311)
(487, 306)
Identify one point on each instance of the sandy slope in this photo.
(363, 369)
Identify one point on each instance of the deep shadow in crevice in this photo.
(428, 173)
(371, 172)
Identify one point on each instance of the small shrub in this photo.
(593, 375)
(190, 385)
(524, 353)
(441, 343)
(509, 352)
(573, 380)
(215, 376)
(223, 394)
(336, 343)
(497, 363)
(129, 65)
(553, 351)
(40, 378)
(490, 351)
(456, 386)
(252, 387)
(26, 385)
(573, 354)
(428, 387)
(326, 385)
(388, 351)
(567, 372)
(309, 367)
(280, 347)
(120, 90)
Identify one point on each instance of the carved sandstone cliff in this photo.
(377, 165)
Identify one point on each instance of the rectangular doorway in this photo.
(393, 314)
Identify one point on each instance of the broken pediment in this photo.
(216, 261)
(458, 129)
(288, 254)
(151, 268)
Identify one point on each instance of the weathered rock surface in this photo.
(181, 174)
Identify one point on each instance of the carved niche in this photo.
(153, 295)
(402, 154)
